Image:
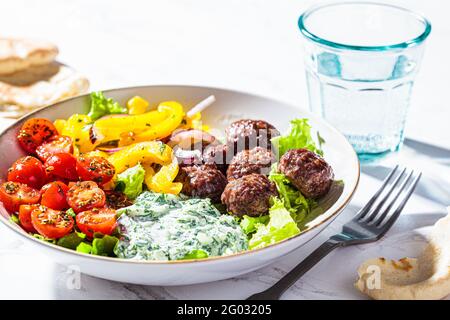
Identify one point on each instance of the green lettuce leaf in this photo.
(84, 247)
(42, 238)
(104, 246)
(250, 224)
(298, 137)
(130, 181)
(72, 240)
(293, 199)
(14, 219)
(195, 254)
(71, 213)
(281, 226)
(101, 106)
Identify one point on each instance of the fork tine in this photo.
(388, 224)
(386, 210)
(362, 213)
(386, 197)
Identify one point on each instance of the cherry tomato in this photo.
(62, 165)
(116, 200)
(57, 144)
(95, 169)
(28, 170)
(25, 217)
(97, 220)
(53, 195)
(52, 224)
(13, 194)
(85, 195)
(35, 132)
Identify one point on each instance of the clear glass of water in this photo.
(361, 59)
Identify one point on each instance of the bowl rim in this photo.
(81, 255)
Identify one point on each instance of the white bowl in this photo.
(230, 105)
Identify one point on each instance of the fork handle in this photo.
(275, 292)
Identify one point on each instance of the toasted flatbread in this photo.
(423, 278)
(38, 86)
(20, 54)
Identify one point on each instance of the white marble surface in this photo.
(246, 45)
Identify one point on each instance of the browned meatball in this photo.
(307, 171)
(218, 155)
(247, 134)
(256, 160)
(204, 181)
(249, 195)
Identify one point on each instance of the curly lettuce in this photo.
(292, 198)
(281, 226)
(298, 137)
(195, 254)
(101, 106)
(130, 181)
(250, 224)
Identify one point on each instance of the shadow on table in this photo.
(437, 191)
(436, 152)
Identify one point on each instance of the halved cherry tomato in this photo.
(62, 165)
(52, 224)
(13, 194)
(85, 195)
(53, 195)
(116, 200)
(57, 144)
(28, 170)
(97, 220)
(25, 217)
(96, 169)
(35, 132)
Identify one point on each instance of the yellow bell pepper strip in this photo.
(194, 122)
(60, 124)
(137, 105)
(149, 173)
(174, 115)
(174, 188)
(143, 152)
(162, 181)
(115, 127)
(77, 128)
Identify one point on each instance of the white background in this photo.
(249, 45)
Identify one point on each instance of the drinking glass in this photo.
(361, 59)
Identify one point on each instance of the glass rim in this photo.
(405, 44)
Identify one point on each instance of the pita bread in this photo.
(20, 54)
(38, 86)
(427, 277)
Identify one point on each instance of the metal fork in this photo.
(369, 225)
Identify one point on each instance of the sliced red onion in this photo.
(186, 139)
(188, 157)
(109, 149)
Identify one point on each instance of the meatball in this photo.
(249, 195)
(203, 181)
(218, 155)
(256, 160)
(247, 134)
(307, 171)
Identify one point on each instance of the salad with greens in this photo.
(151, 182)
